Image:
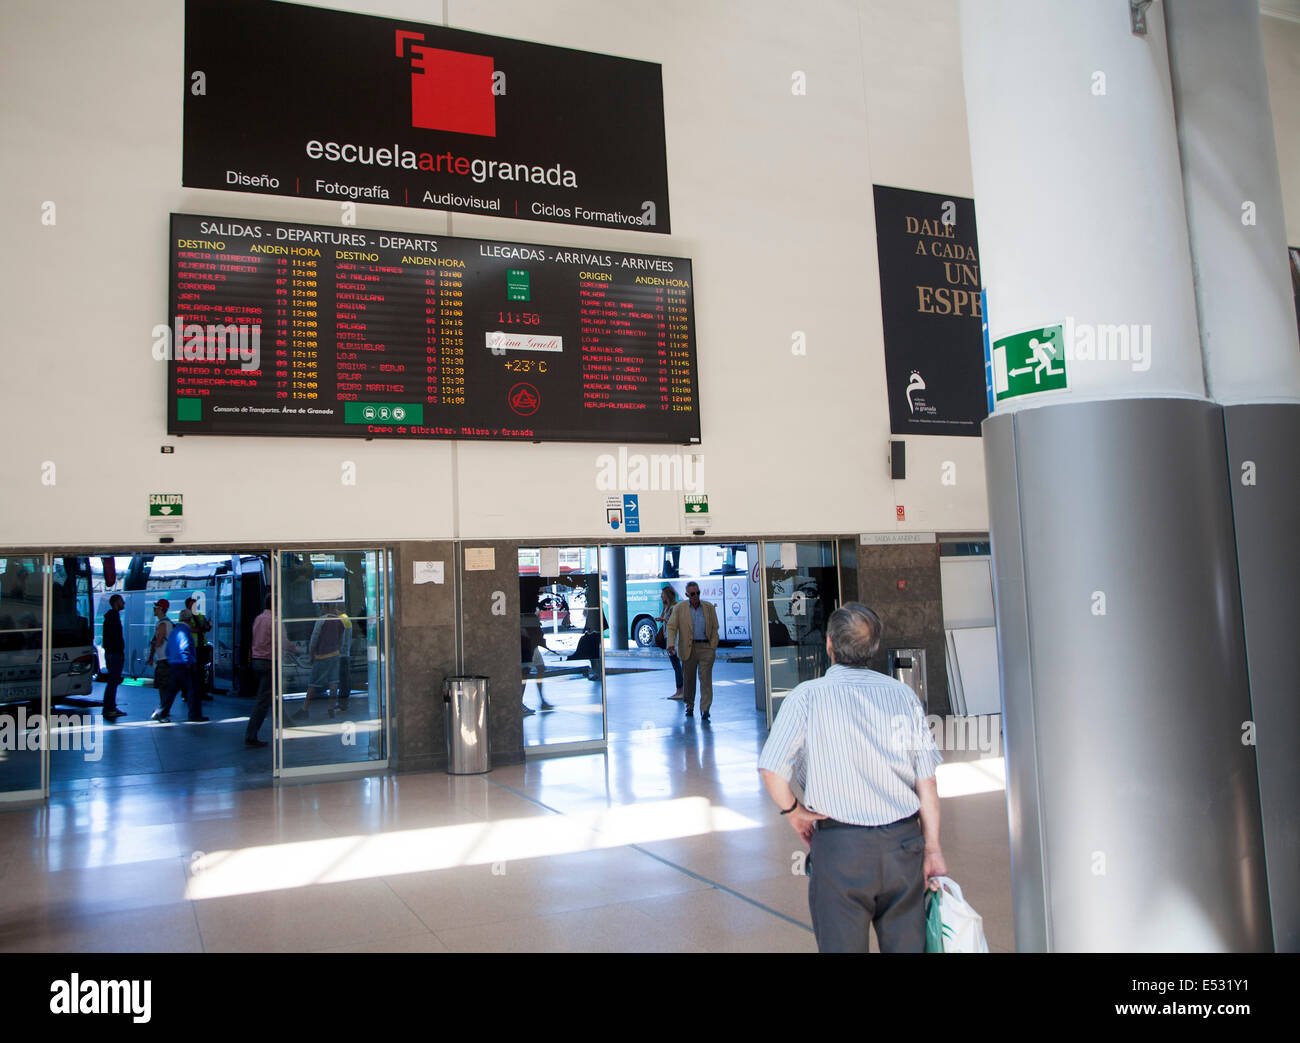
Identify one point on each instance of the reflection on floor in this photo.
(667, 842)
(638, 686)
(138, 748)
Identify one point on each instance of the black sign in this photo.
(287, 329)
(304, 101)
(930, 296)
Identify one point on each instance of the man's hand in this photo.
(934, 866)
(804, 822)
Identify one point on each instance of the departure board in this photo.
(308, 330)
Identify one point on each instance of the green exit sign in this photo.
(166, 505)
(697, 504)
(1029, 363)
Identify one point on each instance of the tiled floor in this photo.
(665, 843)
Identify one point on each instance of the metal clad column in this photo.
(1252, 366)
(1133, 804)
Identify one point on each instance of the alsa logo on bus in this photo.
(451, 90)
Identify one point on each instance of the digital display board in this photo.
(287, 99)
(308, 330)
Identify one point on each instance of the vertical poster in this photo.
(930, 300)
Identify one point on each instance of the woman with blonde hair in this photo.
(667, 602)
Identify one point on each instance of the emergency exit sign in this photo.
(166, 505)
(696, 504)
(1029, 363)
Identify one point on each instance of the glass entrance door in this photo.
(800, 591)
(562, 664)
(331, 690)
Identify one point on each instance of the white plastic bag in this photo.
(963, 927)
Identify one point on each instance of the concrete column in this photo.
(1133, 803)
(1233, 194)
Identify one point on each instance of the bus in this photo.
(720, 569)
(72, 651)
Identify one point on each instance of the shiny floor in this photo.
(667, 843)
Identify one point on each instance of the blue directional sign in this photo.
(631, 513)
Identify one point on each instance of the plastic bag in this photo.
(933, 922)
(962, 928)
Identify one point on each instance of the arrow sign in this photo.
(631, 513)
(165, 505)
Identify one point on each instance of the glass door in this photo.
(331, 676)
(24, 692)
(800, 591)
(561, 659)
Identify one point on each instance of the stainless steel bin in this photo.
(469, 751)
(908, 665)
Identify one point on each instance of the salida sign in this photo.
(302, 101)
(930, 297)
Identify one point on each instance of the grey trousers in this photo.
(861, 876)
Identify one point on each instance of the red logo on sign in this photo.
(450, 90)
(525, 399)
(899, 510)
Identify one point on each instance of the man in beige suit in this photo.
(692, 635)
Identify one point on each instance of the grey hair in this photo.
(855, 632)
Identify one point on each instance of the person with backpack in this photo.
(181, 661)
(199, 625)
(157, 648)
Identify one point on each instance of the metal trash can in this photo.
(469, 751)
(908, 665)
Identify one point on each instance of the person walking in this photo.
(667, 602)
(180, 661)
(857, 744)
(260, 663)
(114, 655)
(323, 651)
(693, 632)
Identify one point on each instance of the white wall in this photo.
(771, 198)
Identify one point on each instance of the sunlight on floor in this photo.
(272, 867)
(966, 777)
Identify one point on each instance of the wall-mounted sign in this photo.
(882, 539)
(480, 559)
(631, 513)
(1029, 363)
(166, 505)
(286, 329)
(291, 100)
(427, 572)
(930, 299)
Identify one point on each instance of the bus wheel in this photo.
(643, 631)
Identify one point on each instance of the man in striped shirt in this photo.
(856, 743)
